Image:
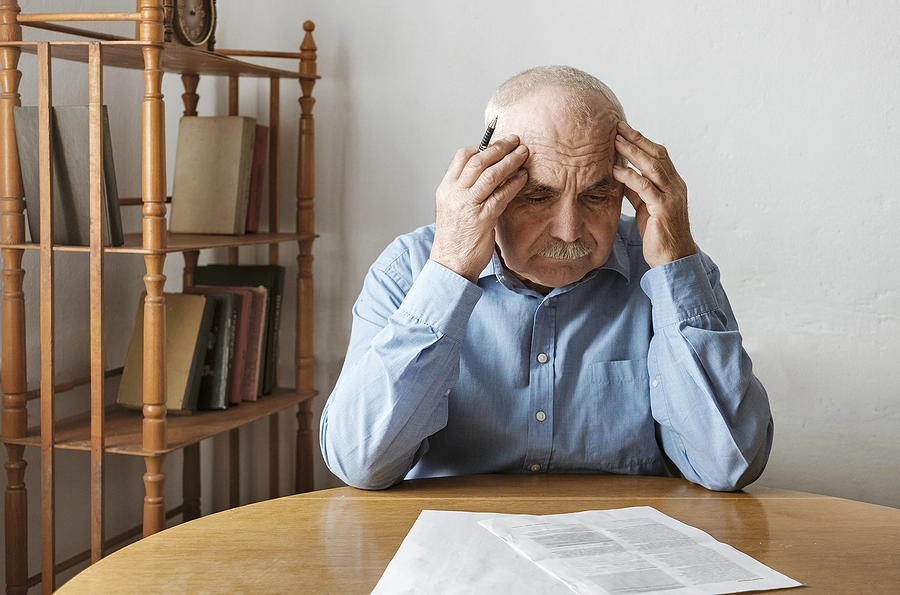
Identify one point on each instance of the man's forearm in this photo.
(378, 418)
(392, 393)
(714, 414)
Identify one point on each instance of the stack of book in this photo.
(218, 180)
(221, 340)
(70, 190)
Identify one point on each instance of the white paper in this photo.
(633, 550)
(450, 552)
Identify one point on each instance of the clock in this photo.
(194, 21)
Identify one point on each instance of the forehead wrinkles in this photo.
(567, 152)
(560, 164)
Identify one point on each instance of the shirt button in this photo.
(655, 383)
(542, 358)
(546, 303)
(535, 467)
(541, 416)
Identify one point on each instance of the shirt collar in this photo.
(617, 261)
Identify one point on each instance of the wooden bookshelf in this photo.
(104, 429)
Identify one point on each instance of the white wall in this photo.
(779, 116)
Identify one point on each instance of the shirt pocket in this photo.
(622, 432)
(622, 372)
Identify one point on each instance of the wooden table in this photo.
(341, 540)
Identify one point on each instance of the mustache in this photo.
(565, 250)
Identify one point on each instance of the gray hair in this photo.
(581, 87)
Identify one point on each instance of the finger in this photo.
(638, 189)
(507, 191)
(458, 162)
(481, 161)
(496, 175)
(637, 139)
(658, 170)
(634, 199)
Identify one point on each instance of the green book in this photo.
(216, 376)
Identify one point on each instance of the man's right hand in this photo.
(471, 197)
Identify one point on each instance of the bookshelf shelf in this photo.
(176, 59)
(180, 242)
(102, 429)
(123, 426)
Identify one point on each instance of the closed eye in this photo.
(536, 193)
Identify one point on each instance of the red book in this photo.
(253, 373)
(257, 173)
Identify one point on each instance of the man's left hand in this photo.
(658, 195)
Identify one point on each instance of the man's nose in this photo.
(567, 222)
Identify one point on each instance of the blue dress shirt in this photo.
(629, 370)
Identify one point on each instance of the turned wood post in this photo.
(306, 190)
(13, 372)
(153, 195)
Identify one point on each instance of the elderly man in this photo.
(535, 329)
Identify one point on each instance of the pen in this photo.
(487, 135)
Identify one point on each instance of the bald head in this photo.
(578, 90)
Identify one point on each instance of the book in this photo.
(247, 338)
(272, 278)
(216, 378)
(211, 181)
(255, 343)
(70, 165)
(189, 319)
(257, 176)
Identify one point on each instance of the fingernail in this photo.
(512, 138)
(521, 149)
(621, 138)
(623, 125)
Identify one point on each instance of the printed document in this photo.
(626, 551)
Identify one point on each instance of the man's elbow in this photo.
(357, 474)
(744, 470)
(365, 481)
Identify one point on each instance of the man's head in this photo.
(563, 223)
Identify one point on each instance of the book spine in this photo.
(252, 386)
(240, 222)
(257, 174)
(110, 188)
(193, 385)
(228, 379)
(274, 324)
(240, 353)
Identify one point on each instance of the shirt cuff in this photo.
(442, 300)
(679, 290)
